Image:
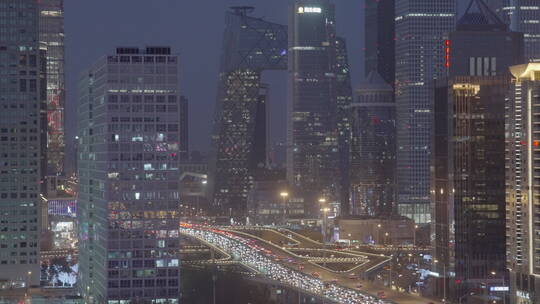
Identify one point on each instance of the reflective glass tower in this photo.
(420, 58)
(314, 120)
(344, 122)
(129, 150)
(468, 223)
(373, 153)
(379, 27)
(250, 46)
(52, 37)
(22, 132)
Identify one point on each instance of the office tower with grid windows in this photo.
(523, 16)
(51, 35)
(421, 26)
(344, 122)
(373, 149)
(251, 46)
(522, 184)
(314, 160)
(129, 132)
(468, 223)
(22, 131)
(184, 128)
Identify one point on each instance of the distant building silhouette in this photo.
(523, 16)
(373, 151)
(379, 37)
(250, 46)
(318, 127)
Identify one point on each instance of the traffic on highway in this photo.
(265, 262)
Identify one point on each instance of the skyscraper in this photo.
(250, 46)
(22, 128)
(420, 58)
(313, 158)
(373, 151)
(51, 35)
(184, 128)
(344, 122)
(468, 223)
(380, 43)
(129, 131)
(522, 16)
(522, 182)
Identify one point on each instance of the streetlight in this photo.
(414, 238)
(444, 279)
(284, 195)
(324, 211)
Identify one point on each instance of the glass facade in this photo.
(128, 206)
(373, 153)
(51, 36)
(22, 131)
(380, 43)
(421, 26)
(523, 16)
(468, 222)
(344, 122)
(468, 234)
(318, 93)
(250, 47)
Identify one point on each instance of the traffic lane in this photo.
(342, 278)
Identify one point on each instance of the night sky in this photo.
(194, 28)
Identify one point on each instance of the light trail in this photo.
(247, 252)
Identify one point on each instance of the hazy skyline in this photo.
(194, 29)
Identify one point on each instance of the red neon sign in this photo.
(447, 53)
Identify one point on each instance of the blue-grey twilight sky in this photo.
(194, 29)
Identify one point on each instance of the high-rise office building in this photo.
(313, 158)
(522, 184)
(51, 35)
(22, 131)
(129, 131)
(420, 58)
(250, 46)
(380, 43)
(344, 122)
(468, 223)
(373, 149)
(184, 128)
(523, 16)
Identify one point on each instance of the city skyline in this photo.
(407, 168)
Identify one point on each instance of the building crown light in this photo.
(308, 9)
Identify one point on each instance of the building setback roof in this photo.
(478, 16)
(374, 82)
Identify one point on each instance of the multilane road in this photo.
(262, 260)
(301, 266)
